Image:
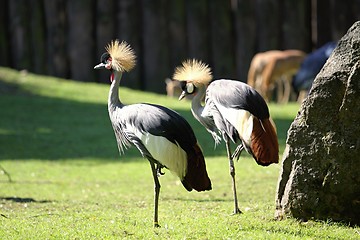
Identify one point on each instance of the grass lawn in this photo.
(69, 181)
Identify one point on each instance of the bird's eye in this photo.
(190, 88)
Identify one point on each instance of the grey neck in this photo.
(114, 100)
(196, 106)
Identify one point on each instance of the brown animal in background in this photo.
(173, 88)
(275, 68)
(258, 63)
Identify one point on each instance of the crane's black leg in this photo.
(232, 174)
(157, 193)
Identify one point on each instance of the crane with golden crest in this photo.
(161, 135)
(233, 111)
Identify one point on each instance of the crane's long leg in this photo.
(232, 174)
(157, 193)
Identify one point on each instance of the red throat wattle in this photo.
(112, 77)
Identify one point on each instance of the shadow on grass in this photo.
(23, 200)
(199, 200)
(44, 128)
(38, 127)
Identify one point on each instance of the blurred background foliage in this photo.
(65, 38)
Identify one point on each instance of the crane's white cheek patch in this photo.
(167, 153)
(241, 119)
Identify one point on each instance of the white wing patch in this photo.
(241, 119)
(167, 153)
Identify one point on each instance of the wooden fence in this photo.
(66, 38)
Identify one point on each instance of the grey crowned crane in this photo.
(232, 109)
(161, 135)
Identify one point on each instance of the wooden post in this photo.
(55, 19)
(79, 34)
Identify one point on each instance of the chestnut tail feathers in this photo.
(196, 176)
(264, 143)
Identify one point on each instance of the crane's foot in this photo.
(236, 211)
(156, 225)
(236, 154)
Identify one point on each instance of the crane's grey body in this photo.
(230, 94)
(152, 119)
(135, 124)
(237, 95)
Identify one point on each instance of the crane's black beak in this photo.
(183, 94)
(100, 66)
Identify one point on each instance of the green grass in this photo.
(69, 182)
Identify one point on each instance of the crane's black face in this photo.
(105, 62)
(188, 89)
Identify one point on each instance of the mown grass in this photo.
(69, 182)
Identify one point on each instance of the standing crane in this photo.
(161, 135)
(232, 109)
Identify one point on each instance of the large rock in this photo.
(320, 177)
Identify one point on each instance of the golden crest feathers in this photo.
(122, 55)
(194, 71)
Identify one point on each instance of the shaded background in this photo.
(65, 38)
